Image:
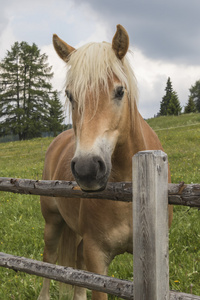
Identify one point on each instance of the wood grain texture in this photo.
(150, 226)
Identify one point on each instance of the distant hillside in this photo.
(174, 121)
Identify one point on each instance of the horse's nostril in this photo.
(102, 168)
(73, 163)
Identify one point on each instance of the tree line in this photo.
(170, 104)
(28, 103)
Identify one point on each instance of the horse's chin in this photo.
(92, 187)
(94, 190)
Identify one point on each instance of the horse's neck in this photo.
(139, 134)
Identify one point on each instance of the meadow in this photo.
(22, 225)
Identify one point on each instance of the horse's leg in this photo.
(80, 292)
(52, 233)
(97, 261)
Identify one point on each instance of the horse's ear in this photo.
(120, 42)
(62, 48)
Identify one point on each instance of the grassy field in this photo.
(21, 223)
(180, 138)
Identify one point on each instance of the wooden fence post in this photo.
(150, 226)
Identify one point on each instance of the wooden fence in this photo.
(150, 193)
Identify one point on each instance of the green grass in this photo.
(21, 223)
(180, 138)
(174, 121)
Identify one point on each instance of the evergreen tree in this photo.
(174, 107)
(170, 104)
(166, 99)
(55, 115)
(25, 91)
(190, 107)
(195, 94)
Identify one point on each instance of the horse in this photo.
(107, 131)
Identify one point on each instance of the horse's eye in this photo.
(119, 92)
(69, 95)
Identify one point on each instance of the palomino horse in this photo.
(107, 131)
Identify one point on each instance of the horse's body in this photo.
(107, 131)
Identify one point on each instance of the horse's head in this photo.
(99, 86)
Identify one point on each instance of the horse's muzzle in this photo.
(90, 172)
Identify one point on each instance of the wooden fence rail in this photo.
(178, 194)
(92, 281)
(114, 286)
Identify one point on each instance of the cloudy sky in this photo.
(164, 37)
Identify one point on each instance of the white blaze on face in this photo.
(91, 164)
(102, 146)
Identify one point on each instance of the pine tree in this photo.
(190, 107)
(170, 104)
(55, 115)
(25, 91)
(174, 107)
(166, 99)
(195, 94)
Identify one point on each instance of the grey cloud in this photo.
(3, 21)
(168, 30)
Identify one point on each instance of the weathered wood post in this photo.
(150, 226)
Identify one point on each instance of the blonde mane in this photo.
(89, 69)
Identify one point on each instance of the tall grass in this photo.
(21, 223)
(181, 141)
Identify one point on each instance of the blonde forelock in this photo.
(91, 66)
